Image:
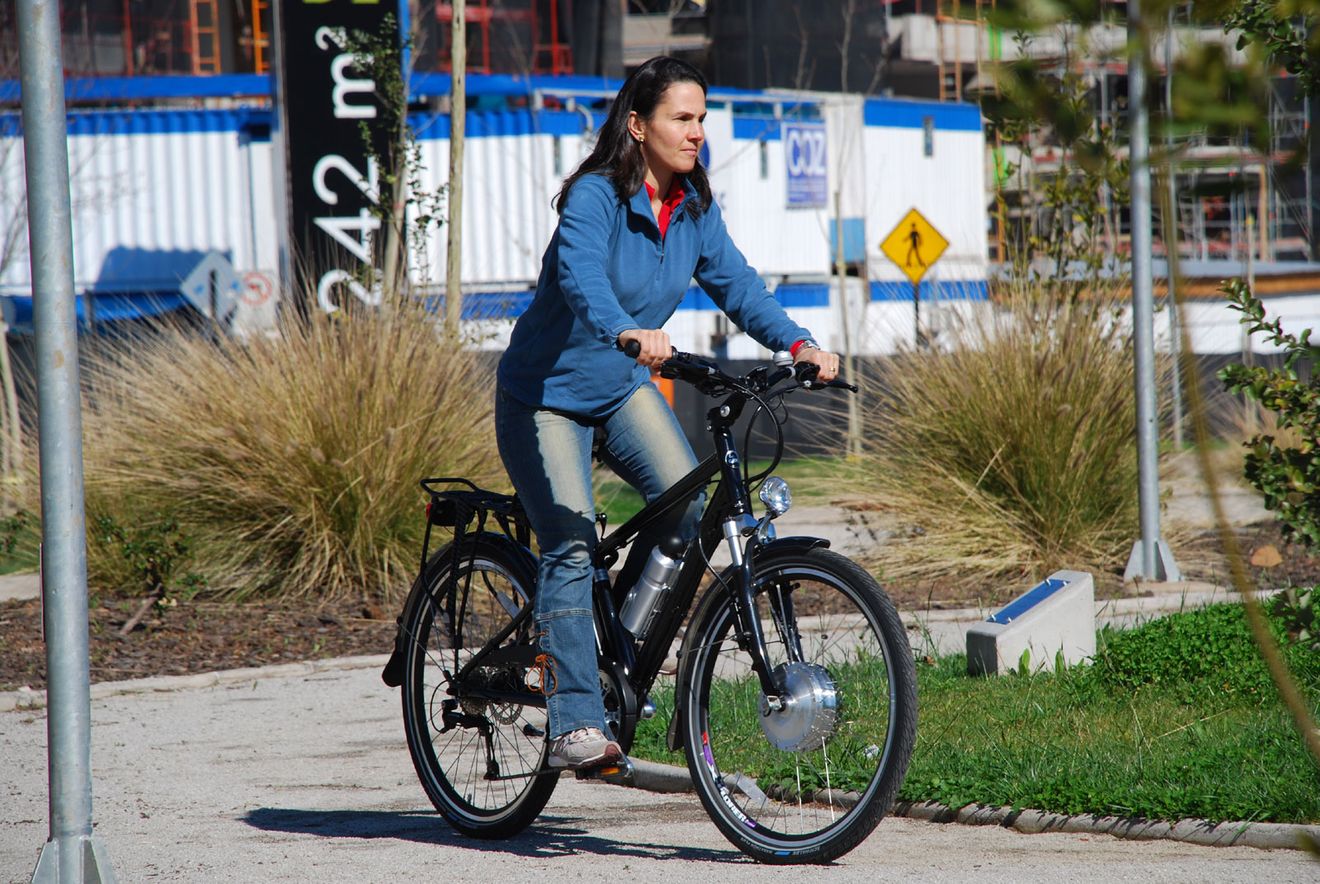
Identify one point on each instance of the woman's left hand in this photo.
(828, 362)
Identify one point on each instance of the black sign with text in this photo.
(325, 99)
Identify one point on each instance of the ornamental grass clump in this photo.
(1010, 453)
(288, 464)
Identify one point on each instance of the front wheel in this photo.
(803, 777)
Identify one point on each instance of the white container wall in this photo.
(149, 182)
(514, 164)
(153, 188)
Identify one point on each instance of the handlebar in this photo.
(708, 376)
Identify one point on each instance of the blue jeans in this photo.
(548, 457)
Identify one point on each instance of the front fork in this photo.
(751, 637)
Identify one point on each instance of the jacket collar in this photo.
(641, 203)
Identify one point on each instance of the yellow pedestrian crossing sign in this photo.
(914, 245)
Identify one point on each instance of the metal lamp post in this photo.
(1151, 558)
(72, 853)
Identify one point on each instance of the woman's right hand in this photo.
(654, 342)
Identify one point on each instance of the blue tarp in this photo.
(115, 307)
(134, 284)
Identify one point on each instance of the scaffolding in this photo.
(204, 19)
(510, 35)
(1221, 184)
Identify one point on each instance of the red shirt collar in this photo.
(671, 202)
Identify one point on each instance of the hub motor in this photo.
(807, 711)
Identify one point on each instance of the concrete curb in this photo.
(656, 777)
(652, 776)
(27, 698)
(1266, 836)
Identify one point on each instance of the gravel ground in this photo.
(306, 777)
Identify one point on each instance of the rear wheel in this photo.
(804, 777)
(480, 761)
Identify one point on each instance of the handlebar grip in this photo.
(806, 374)
(633, 349)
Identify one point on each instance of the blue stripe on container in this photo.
(255, 123)
(491, 124)
(486, 305)
(944, 290)
(107, 308)
(141, 88)
(495, 305)
(756, 128)
(1028, 600)
(421, 85)
(696, 299)
(434, 84)
(912, 115)
(800, 294)
(794, 296)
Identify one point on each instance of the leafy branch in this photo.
(1287, 475)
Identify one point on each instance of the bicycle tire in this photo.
(808, 783)
(495, 578)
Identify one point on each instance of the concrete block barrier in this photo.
(1053, 621)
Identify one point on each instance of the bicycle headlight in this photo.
(776, 496)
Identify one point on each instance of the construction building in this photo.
(1234, 203)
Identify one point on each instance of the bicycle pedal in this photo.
(621, 774)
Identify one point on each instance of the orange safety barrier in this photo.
(665, 386)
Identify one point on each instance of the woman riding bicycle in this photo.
(637, 223)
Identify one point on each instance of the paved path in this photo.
(14, 587)
(306, 778)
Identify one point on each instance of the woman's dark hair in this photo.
(617, 154)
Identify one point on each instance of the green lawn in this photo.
(1175, 719)
(20, 541)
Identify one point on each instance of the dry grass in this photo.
(1011, 454)
(290, 464)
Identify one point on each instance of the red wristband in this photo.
(793, 350)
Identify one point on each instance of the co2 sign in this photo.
(806, 161)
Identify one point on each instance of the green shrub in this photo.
(290, 464)
(149, 552)
(1295, 610)
(1202, 654)
(1288, 475)
(1010, 454)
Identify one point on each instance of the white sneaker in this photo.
(583, 748)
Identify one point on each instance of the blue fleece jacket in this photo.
(608, 270)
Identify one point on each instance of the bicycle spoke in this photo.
(477, 758)
(818, 742)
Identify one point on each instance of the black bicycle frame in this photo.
(728, 500)
(642, 664)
